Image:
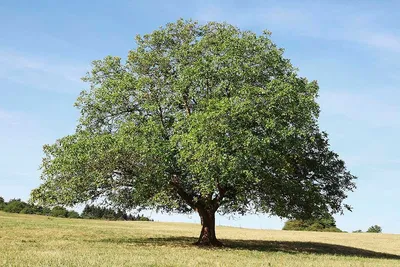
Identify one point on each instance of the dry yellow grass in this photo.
(29, 240)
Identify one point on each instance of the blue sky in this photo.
(351, 47)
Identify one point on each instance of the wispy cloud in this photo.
(369, 109)
(381, 162)
(342, 23)
(8, 118)
(381, 40)
(40, 73)
(4, 115)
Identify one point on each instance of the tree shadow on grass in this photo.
(291, 247)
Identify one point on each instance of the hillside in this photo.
(30, 240)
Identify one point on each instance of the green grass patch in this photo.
(31, 240)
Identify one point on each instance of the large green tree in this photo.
(200, 118)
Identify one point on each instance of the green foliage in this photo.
(198, 117)
(27, 210)
(73, 214)
(2, 203)
(39, 210)
(139, 218)
(357, 231)
(324, 224)
(95, 212)
(19, 206)
(59, 212)
(374, 229)
(16, 206)
(40, 241)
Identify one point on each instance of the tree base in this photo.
(209, 243)
(207, 235)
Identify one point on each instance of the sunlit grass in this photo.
(29, 240)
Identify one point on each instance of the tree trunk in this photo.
(207, 234)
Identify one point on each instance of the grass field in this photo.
(30, 240)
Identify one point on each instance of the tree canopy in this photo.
(199, 118)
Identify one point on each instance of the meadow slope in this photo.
(30, 240)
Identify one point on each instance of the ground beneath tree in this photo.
(46, 241)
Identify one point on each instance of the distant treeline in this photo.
(95, 212)
(89, 212)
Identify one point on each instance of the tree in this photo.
(27, 210)
(39, 210)
(357, 231)
(374, 229)
(95, 212)
(325, 223)
(73, 214)
(87, 212)
(2, 203)
(200, 118)
(15, 206)
(59, 212)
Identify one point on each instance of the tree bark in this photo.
(207, 235)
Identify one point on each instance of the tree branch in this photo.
(182, 193)
(221, 194)
(161, 116)
(185, 100)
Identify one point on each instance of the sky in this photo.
(352, 48)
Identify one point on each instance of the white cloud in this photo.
(39, 73)
(4, 115)
(260, 17)
(366, 109)
(328, 22)
(211, 13)
(9, 118)
(381, 40)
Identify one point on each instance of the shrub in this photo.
(94, 212)
(324, 224)
(144, 218)
(39, 210)
(73, 214)
(27, 210)
(2, 203)
(59, 212)
(357, 231)
(15, 206)
(19, 206)
(374, 229)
